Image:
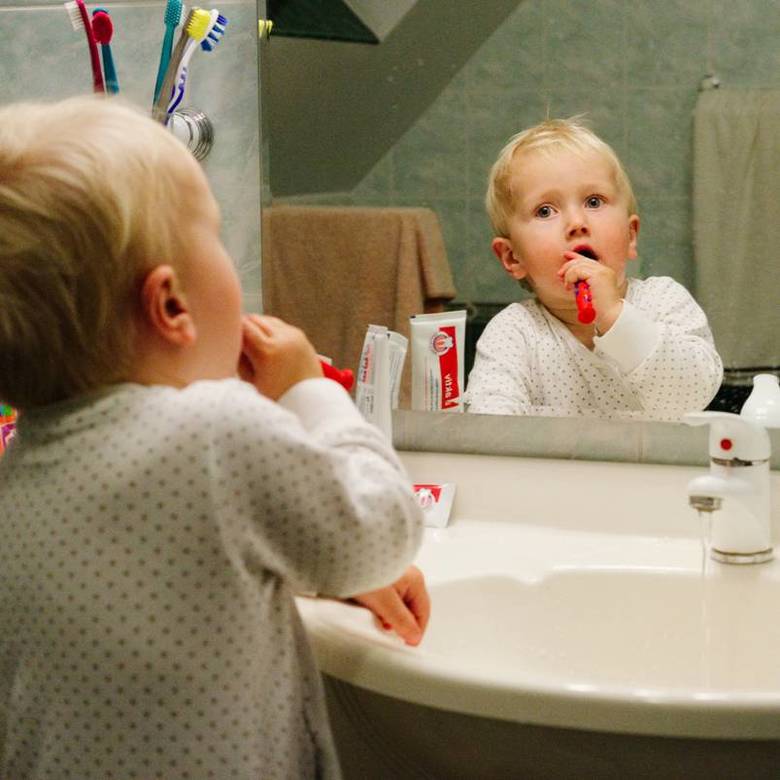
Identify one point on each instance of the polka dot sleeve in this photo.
(684, 371)
(329, 510)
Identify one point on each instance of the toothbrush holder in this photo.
(194, 129)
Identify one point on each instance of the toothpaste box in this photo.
(435, 500)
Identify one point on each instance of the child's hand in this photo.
(603, 283)
(275, 356)
(403, 606)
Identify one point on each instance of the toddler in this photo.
(158, 513)
(563, 212)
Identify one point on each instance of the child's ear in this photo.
(633, 234)
(164, 306)
(513, 265)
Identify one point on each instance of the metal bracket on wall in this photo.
(194, 129)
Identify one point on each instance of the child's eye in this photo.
(594, 201)
(544, 212)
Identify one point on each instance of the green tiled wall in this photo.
(634, 66)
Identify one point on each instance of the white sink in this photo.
(571, 594)
(632, 632)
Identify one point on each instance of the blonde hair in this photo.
(88, 198)
(548, 137)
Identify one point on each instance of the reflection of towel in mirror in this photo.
(736, 203)
(334, 270)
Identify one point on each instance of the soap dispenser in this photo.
(737, 485)
(763, 403)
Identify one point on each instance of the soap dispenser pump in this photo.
(737, 485)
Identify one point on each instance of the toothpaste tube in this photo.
(398, 346)
(437, 361)
(372, 394)
(435, 502)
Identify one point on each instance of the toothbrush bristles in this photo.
(174, 10)
(214, 36)
(74, 14)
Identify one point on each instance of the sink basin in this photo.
(636, 633)
(574, 595)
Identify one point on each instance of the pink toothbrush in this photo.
(79, 18)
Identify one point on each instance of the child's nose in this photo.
(577, 224)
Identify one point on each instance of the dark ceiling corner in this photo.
(330, 20)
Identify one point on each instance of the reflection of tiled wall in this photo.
(42, 58)
(633, 65)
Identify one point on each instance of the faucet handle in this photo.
(732, 437)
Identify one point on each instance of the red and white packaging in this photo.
(373, 394)
(437, 361)
(398, 346)
(435, 502)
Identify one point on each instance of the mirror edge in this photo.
(568, 438)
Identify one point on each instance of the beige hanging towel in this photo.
(736, 204)
(332, 271)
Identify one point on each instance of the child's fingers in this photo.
(415, 596)
(279, 354)
(254, 338)
(403, 609)
(571, 274)
(254, 344)
(579, 268)
(396, 614)
(246, 369)
(264, 324)
(420, 607)
(575, 261)
(275, 332)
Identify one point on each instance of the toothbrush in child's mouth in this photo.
(582, 295)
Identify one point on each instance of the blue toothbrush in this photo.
(215, 33)
(103, 30)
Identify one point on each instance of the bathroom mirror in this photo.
(418, 119)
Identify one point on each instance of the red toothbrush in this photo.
(585, 311)
(343, 376)
(79, 18)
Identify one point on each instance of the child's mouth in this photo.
(586, 251)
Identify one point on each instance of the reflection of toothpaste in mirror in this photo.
(373, 392)
(436, 502)
(437, 361)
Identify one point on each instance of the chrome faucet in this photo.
(737, 487)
